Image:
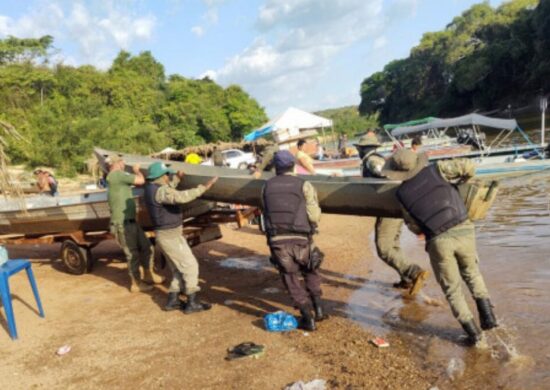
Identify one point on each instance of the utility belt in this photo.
(478, 197)
(316, 256)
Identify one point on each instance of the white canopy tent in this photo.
(293, 120)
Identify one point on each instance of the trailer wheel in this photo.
(76, 259)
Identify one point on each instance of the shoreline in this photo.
(125, 340)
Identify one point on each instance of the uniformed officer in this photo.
(217, 157)
(163, 203)
(433, 207)
(266, 164)
(387, 231)
(127, 232)
(291, 212)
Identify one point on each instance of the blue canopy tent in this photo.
(259, 133)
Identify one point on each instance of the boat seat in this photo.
(8, 269)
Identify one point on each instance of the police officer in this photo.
(291, 211)
(163, 203)
(266, 165)
(124, 227)
(387, 231)
(433, 207)
(217, 157)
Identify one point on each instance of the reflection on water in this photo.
(513, 248)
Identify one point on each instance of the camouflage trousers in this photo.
(180, 259)
(387, 234)
(453, 256)
(135, 245)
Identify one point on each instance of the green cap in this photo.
(158, 169)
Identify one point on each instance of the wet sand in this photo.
(125, 340)
(513, 248)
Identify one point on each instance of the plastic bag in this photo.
(280, 321)
(3, 255)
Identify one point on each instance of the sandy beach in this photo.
(123, 340)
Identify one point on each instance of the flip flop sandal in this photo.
(244, 350)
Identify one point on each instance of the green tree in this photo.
(484, 59)
(63, 111)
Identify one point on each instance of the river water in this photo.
(513, 246)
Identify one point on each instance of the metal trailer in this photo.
(76, 246)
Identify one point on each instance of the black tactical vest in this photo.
(433, 202)
(285, 206)
(162, 216)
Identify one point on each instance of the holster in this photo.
(316, 256)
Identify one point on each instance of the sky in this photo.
(310, 54)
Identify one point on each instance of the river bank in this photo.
(125, 340)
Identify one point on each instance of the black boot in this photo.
(194, 305)
(473, 332)
(306, 322)
(173, 302)
(487, 318)
(319, 309)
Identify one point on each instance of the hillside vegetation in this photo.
(63, 111)
(347, 120)
(485, 59)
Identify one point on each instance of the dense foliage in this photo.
(485, 59)
(347, 120)
(63, 111)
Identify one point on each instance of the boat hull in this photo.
(52, 215)
(338, 195)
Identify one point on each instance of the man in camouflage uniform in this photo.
(433, 207)
(267, 161)
(127, 232)
(388, 230)
(217, 157)
(163, 202)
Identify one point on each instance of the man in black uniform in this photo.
(291, 212)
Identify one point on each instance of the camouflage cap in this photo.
(368, 139)
(404, 164)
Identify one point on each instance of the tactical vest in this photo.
(434, 203)
(162, 216)
(285, 206)
(365, 169)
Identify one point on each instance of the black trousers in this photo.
(291, 258)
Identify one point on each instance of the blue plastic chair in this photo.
(8, 269)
